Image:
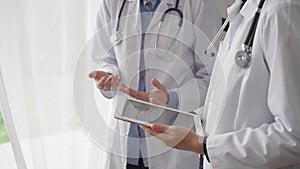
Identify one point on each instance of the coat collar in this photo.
(134, 8)
(234, 9)
(165, 4)
(172, 3)
(249, 8)
(247, 11)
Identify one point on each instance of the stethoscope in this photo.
(243, 57)
(118, 38)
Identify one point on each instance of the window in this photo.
(3, 133)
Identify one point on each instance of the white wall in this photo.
(222, 5)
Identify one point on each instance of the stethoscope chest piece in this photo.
(243, 59)
(116, 38)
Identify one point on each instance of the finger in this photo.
(164, 137)
(160, 128)
(139, 95)
(97, 75)
(115, 82)
(107, 83)
(100, 83)
(161, 87)
(158, 85)
(123, 88)
(93, 74)
(127, 90)
(149, 130)
(144, 127)
(134, 93)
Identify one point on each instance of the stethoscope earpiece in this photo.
(210, 54)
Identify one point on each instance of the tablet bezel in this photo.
(132, 120)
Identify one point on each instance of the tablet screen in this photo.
(137, 111)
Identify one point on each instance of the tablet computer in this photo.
(145, 113)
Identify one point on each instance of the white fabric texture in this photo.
(252, 114)
(40, 43)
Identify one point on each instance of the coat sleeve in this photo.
(276, 144)
(103, 51)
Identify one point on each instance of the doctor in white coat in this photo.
(175, 64)
(251, 115)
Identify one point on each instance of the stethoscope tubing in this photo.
(120, 15)
(207, 51)
(118, 38)
(179, 13)
(243, 57)
(175, 9)
(250, 37)
(247, 45)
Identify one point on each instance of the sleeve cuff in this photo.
(205, 148)
(109, 94)
(173, 100)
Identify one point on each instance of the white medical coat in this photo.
(182, 68)
(252, 116)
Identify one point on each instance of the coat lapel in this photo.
(134, 10)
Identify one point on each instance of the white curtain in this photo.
(40, 42)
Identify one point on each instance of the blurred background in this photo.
(3, 134)
(39, 47)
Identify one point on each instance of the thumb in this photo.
(158, 85)
(162, 88)
(97, 75)
(160, 128)
(93, 74)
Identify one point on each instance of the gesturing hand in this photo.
(158, 96)
(105, 81)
